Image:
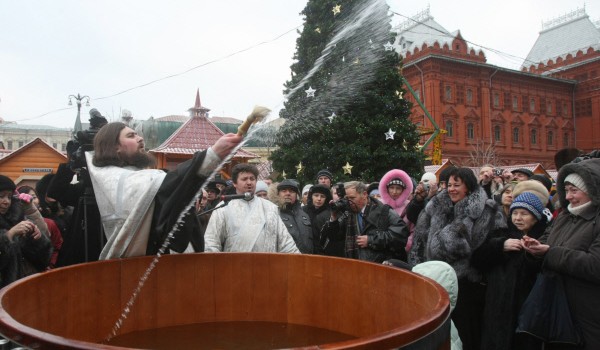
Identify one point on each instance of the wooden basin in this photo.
(76, 307)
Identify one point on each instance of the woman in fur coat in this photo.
(451, 227)
(394, 188)
(24, 244)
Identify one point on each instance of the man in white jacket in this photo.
(247, 225)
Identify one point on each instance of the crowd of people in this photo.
(484, 237)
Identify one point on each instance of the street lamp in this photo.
(78, 99)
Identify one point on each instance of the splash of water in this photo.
(344, 83)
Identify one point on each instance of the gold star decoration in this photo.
(318, 30)
(356, 61)
(337, 9)
(405, 145)
(347, 168)
(299, 168)
(283, 174)
(400, 94)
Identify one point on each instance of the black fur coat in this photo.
(451, 232)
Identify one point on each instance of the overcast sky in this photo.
(52, 49)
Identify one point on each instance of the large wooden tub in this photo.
(76, 307)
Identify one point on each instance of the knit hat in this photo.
(261, 186)
(396, 181)
(529, 202)
(428, 177)
(306, 188)
(7, 184)
(534, 187)
(288, 183)
(544, 180)
(576, 180)
(527, 172)
(325, 172)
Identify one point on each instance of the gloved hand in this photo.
(24, 197)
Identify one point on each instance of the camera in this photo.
(83, 141)
(498, 172)
(426, 186)
(342, 204)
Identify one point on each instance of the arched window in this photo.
(516, 135)
(449, 128)
(532, 105)
(515, 103)
(550, 138)
(534, 137)
(497, 133)
(470, 131)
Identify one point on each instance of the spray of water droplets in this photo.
(345, 82)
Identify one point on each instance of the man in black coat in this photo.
(371, 230)
(295, 219)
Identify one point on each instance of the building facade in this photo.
(14, 136)
(521, 116)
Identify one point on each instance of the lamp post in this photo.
(78, 99)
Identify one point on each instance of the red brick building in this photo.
(527, 115)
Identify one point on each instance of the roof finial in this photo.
(198, 104)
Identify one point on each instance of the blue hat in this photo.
(530, 202)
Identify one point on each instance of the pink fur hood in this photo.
(399, 204)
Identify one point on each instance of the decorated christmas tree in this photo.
(345, 109)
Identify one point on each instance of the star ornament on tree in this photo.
(390, 134)
(337, 9)
(331, 117)
(310, 92)
(318, 30)
(299, 168)
(347, 168)
(283, 174)
(399, 94)
(388, 46)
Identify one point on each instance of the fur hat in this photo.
(544, 180)
(576, 180)
(7, 184)
(212, 186)
(288, 183)
(320, 189)
(325, 172)
(261, 186)
(529, 202)
(534, 187)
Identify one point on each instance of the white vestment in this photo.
(125, 198)
(248, 226)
